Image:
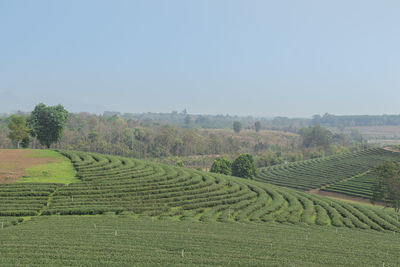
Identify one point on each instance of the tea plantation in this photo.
(126, 211)
(350, 173)
(106, 240)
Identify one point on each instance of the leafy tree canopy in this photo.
(47, 123)
(316, 136)
(257, 126)
(243, 166)
(18, 130)
(388, 186)
(222, 165)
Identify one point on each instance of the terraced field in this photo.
(125, 211)
(350, 173)
(128, 186)
(359, 186)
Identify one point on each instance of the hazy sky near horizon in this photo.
(260, 58)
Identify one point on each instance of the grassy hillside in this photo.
(128, 186)
(126, 211)
(330, 173)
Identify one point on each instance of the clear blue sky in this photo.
(260, 58)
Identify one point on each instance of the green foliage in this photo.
(388, 186)
(243, 166)
(316, 136)
(18, 130)
(257, 126)
(180, 164)
(268, 159)
(25, 142)
(47, 123)
(222, 165)
(237, 126)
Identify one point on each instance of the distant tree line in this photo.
(116, 135)
(355, 120)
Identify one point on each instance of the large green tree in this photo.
(387, 188)
(47, 123)
(315, 136)
(18, 130)
(222, 165)
(243, 166)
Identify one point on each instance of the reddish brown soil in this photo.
(13, 163)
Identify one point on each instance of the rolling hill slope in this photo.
(129, 186)
(125, 211)
(350, 173)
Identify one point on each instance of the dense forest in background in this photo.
(184, 119)
(195, 139)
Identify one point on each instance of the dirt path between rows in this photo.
(389, 148)
(14, 162)
(344, 197)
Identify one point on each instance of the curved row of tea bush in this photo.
(360, 186)
(130, 186)
(112, 184)
(316, 173)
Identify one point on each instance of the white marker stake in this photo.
(72, 197)
(115, 233)
(270, 246)
(183, 253)
(383, 263)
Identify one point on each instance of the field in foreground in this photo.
(105, 240)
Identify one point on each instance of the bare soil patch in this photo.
(13, 163)
(344, 197)
(389, 148)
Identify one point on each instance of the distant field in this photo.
(35, 166)
(379, 132)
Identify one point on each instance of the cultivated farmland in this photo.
(127, 241)
(350, 173)
(125, 211)
(127, 186)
